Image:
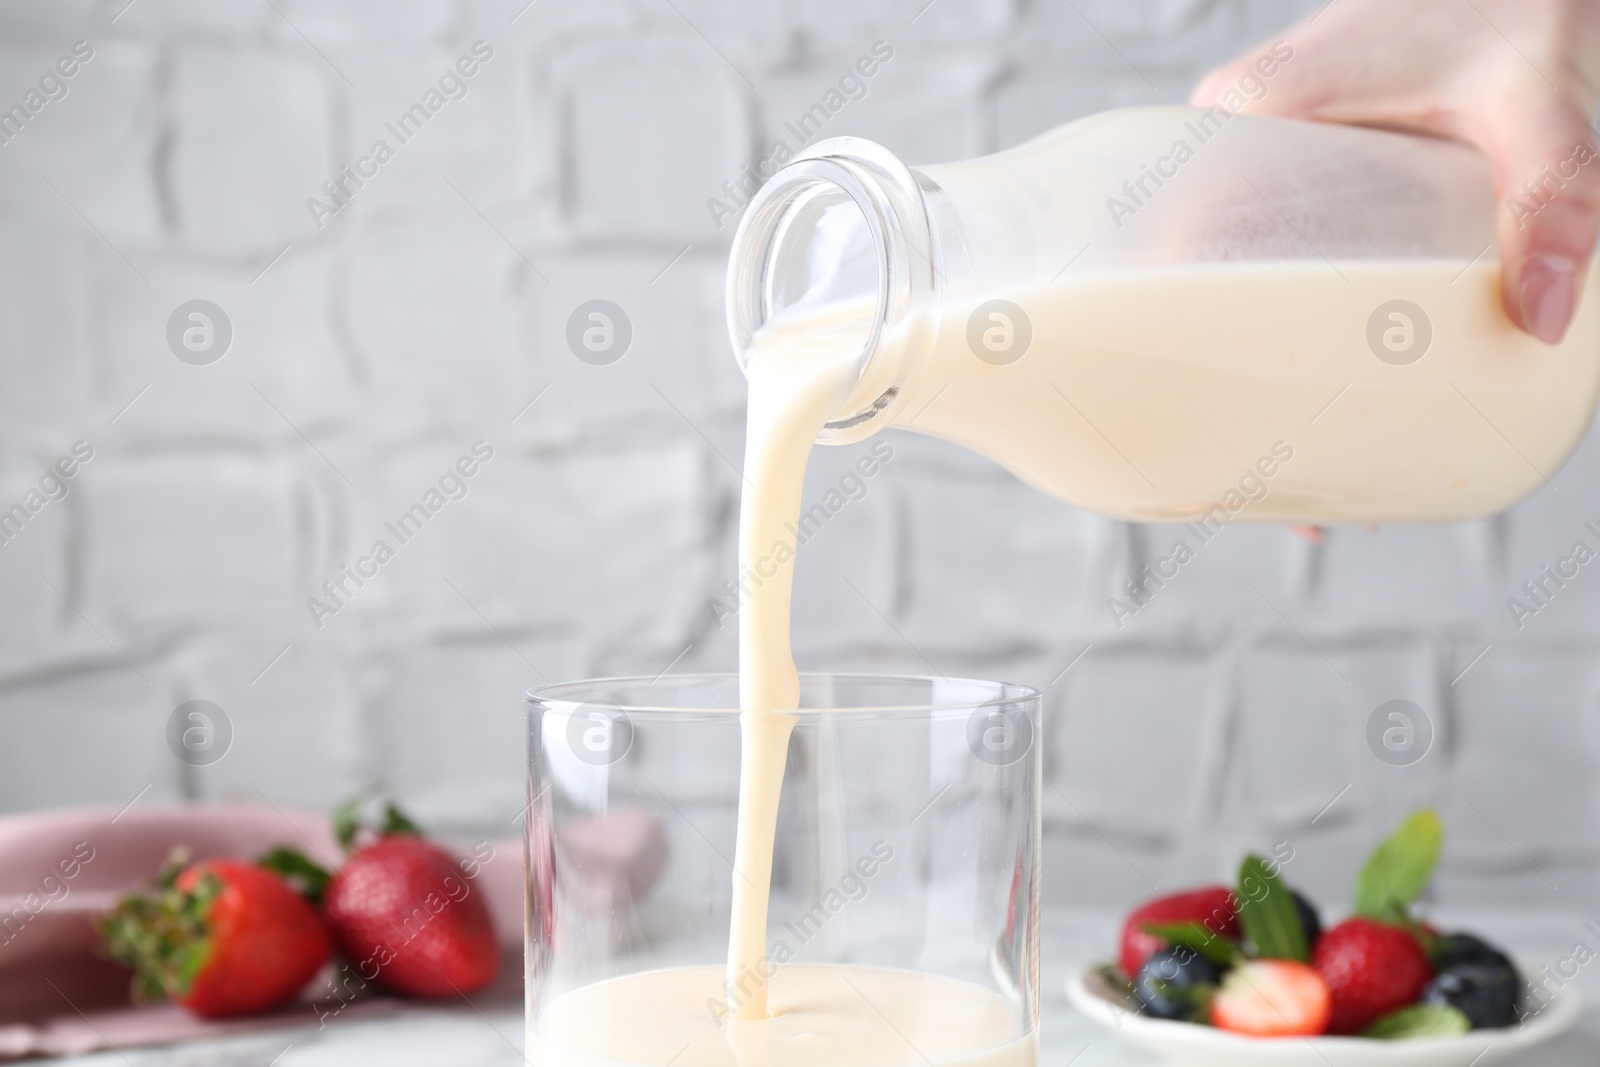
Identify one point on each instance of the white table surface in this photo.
(460, 1036)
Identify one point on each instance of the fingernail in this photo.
(1548, 292)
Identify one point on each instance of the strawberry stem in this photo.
(348, 824)
(163, 936)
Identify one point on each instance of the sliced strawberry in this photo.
(1371, 968)
(1212, 906)
(1272, 998)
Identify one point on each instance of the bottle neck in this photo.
(841, 235)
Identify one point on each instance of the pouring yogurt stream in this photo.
(863, 295)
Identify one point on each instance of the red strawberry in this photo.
(221, 938)
(1371, 968)
(1212, 906)
(405, 916)
(1272, 998)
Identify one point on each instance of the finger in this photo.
(1547, 182)
(1254, 82)
(1207, 92)
(1307, 72)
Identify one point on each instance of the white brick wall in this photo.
(427, 314)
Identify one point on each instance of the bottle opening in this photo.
(824, 273)
(834, 250)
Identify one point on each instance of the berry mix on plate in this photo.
(1255, 959)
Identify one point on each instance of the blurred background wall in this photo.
(373, 346)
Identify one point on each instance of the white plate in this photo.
(1203, 1046)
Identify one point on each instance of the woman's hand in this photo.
(1517, 78)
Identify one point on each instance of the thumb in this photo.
(1547, 182)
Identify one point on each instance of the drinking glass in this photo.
(905, 876)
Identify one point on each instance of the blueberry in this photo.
(1454, 950)
(1476, 977)
(1175, 983)
(1310, 921)
(1485, 993)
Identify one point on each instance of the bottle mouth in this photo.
(838, 244)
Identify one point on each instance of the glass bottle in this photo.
(1174, 314)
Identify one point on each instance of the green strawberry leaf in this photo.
(303, 876)
(347, 820)
(396, 822)
(1192, 935)
(1267, 913)
(1399, 868)
(348, 823)
(1420, 1020)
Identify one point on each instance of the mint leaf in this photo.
(1268, 915)
(1399, 868)
(1192, 935)
(1196, 998)
(1420, 1020)
(1113, 977)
